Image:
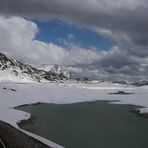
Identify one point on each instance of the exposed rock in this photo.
(57, 72)
(140, 83)
(13, 138)
(138, 113)
(121, 93)
(10, 67)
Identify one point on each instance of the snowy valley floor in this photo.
(12, 95)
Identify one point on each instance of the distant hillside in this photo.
(15, 71)
(58, 71)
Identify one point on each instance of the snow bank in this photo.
(7, 76)
(62, 93)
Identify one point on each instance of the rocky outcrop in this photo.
(13, 138)
(59, 72)
(9, 66)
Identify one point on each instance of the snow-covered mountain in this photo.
(58, 71)
(12, 70)
(141, 82)
(15, 71)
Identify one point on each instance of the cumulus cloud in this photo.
(17, 38)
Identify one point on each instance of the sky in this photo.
(63, 33)
(95, 38)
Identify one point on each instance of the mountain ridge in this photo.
(20, 71)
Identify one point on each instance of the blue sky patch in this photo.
(61, 33)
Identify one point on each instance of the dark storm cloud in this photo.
(124, 16)
(119, 61)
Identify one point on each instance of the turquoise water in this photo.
(88, 125)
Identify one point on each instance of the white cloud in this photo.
(17, 38)
(80, 55)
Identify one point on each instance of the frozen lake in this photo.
(96, 124)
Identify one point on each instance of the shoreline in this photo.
(31, 93)
(131, 110)
(31, 118)
(24, 122)
(135, 111)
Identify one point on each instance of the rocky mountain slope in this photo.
(13, 70)
(57, 71)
